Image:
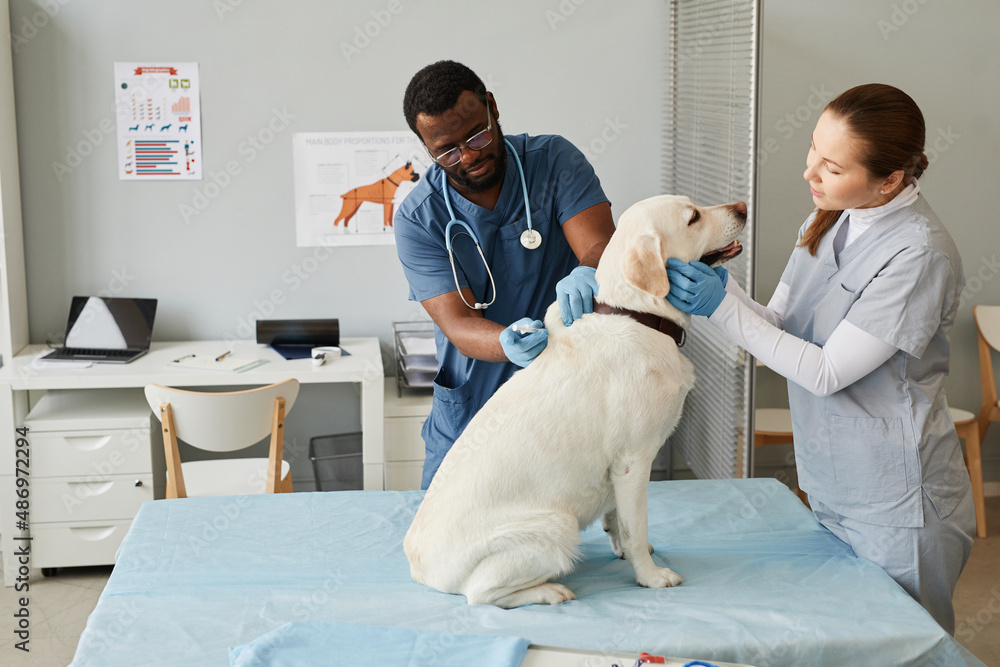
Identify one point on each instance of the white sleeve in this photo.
(778, 301)
(775, 310)
(849, 354)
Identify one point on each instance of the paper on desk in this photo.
(40, 364)
(208, 362)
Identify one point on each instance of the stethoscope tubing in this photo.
(468, 230)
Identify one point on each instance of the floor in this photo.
(59, 606)
(57, 610)
(977, 596)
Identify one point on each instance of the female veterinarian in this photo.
(492, 233)
(859, 323)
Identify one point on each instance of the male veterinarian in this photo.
(480, 182)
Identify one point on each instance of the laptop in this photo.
(112, 330)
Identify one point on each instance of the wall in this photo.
(944, 56)
(13, 302)
(591, 71)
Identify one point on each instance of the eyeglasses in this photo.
(476, 142)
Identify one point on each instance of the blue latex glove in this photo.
(523, 348)
(696, 288)
(575, 294)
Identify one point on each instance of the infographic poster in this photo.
(159, 121)
(349, 184)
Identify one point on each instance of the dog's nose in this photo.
(741, 208)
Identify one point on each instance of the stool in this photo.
(967, 426)
(773, 426)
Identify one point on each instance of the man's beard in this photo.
(460, 179)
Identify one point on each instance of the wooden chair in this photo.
(773, 426)
(988, 325)
(967, 426)
(224, 422)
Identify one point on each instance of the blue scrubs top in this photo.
(561, 183)
(872, 450)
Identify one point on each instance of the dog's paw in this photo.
(660, 577)
(553, 594)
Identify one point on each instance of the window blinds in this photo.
(710, 140)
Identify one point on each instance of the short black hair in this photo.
(436, 89)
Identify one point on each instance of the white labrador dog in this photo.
(572, 437)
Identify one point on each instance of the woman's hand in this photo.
(696, 288)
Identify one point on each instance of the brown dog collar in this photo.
(661, 324)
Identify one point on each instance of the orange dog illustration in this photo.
(379, 192)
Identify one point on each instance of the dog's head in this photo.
(413, 176)
(653, 230)
(404, 173)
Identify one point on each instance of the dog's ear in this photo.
(645, 267)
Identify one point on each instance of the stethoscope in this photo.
(530, 238)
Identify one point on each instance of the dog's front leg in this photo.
(630, 481)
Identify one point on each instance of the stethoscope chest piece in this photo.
(531, 239)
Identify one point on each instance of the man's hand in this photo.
(522, 348)
(575, 294)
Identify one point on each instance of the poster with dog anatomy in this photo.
(348, 185)
(159, 121)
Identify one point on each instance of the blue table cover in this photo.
(322, 643)
(764, 583)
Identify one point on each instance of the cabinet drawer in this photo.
(403, 475)
(402, 439)
(88, 499)
(90, 453)
(76, 545)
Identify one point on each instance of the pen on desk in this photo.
(223, 355)
(182, 358)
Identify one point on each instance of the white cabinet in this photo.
(404, 448)
(91, 469)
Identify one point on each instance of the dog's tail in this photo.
(533, 545)
(554, 534)
(530, 549)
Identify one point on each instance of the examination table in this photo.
(764, 584)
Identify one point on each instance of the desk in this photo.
(363, 366)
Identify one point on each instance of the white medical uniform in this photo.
(877, 453)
